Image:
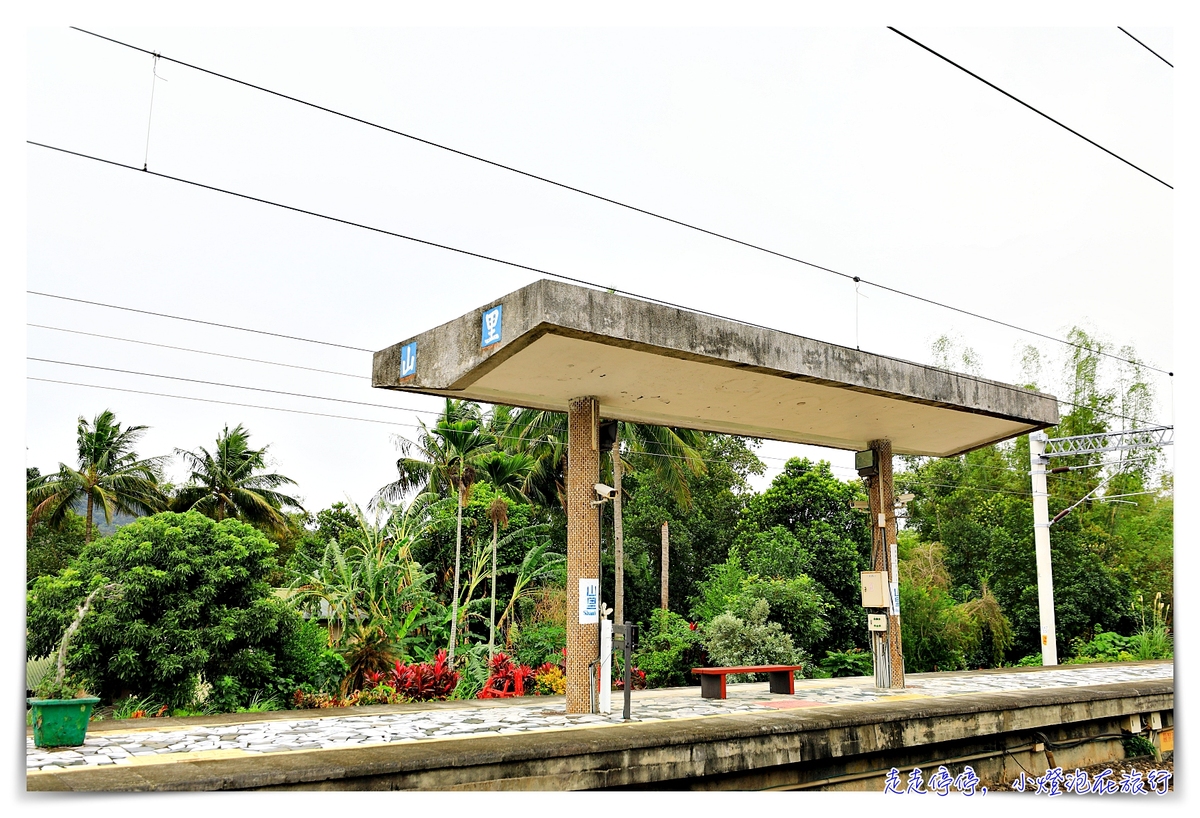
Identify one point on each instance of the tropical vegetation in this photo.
(451, 581)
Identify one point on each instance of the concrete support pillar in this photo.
(583, 544)
(883, 558)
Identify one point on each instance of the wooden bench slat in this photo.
(748, 669)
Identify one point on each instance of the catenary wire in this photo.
(346, 417)
(199, 351)
(518, 265)
(1143, 45)
(499, 437)
(341, 400)
(324, 371)
(193, 320)
(436, 412)
(608, 200)
(1027, 105)
(227, 385)
(211, 400)
(1062, 401)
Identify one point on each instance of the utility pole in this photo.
(1041, 545)
(1041, 449)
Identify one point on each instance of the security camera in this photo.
(605, 492)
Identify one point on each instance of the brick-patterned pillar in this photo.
(583, 544)
(883, 501)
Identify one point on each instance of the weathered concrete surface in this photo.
(753, 750)
(654, 364)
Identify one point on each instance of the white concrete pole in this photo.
(1038, 464)
(606, 634)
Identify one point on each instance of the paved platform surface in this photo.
(154, 741)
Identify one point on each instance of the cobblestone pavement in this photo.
(316, 732)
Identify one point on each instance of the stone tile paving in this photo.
(102, 748)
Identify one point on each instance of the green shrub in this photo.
(853, 662)
(195, 605)
(1137, 746)
(797, 604)
(667, 649)
(731, 640)
(1104, 646)
(538, 643)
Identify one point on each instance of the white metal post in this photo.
(606, 636)
(1038, 463)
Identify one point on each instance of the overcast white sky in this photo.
(850, 147)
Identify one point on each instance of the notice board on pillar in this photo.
(589, 601)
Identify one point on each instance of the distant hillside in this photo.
(118, 519)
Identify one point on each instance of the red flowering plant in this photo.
(424, 681)
(506, 679)
(637, 679)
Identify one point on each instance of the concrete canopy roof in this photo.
(650, 363)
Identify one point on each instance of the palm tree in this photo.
(672, 454)
(463, 444)
(428, 468)
(228, 482)
(509, 474)
(109, 474)
(448, 453)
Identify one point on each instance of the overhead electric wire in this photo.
(608, 200)
(346, 417)
(540, 271)
(907, 478)
(1143, 45)
(215, 383)
(211, 400)
(199, 351)
(1030, 107)
(348, 375)
(180, 317)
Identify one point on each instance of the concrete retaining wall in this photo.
(784, 749)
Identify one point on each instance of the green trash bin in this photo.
(61, 722)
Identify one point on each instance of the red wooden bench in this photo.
(712, 679)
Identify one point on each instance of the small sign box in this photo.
(589, 601)
(876, 622)
(408, 360)
(492, 326)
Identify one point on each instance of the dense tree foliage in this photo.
(193, 607)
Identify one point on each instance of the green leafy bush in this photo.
(1137, 746)
(667, 649)
(538, 643)
(797, 604)
(195, 605)
(853, 662)
(732, 640)
(1104, 646)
